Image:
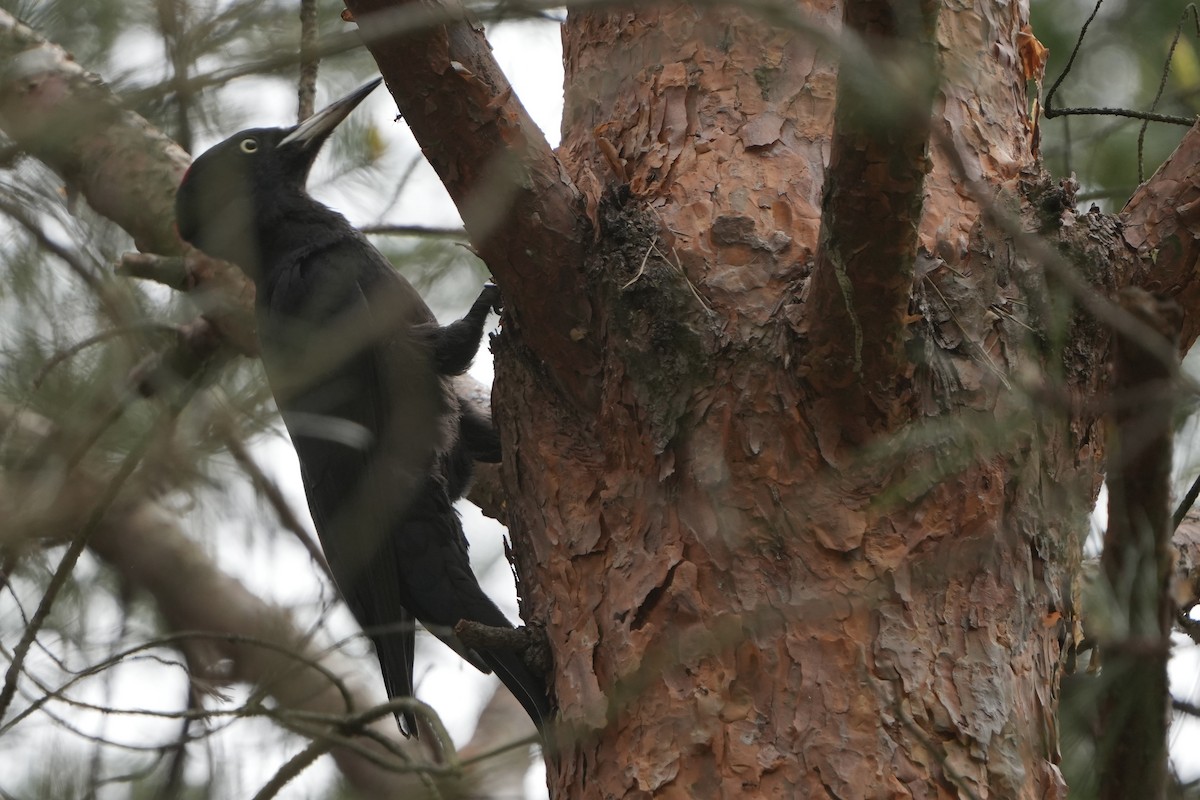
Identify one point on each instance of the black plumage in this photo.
(361, 372)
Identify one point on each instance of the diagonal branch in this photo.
(873, 194)
(522, 213)
(56, 111)
(126, 169)
(1162, 223)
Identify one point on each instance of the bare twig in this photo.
(1162, 85)
(424, 231)
(1185, 505)
(70, 557)
(172, 23)
(113, 305)
(91, 341)
(1051, 112)
(310, 60)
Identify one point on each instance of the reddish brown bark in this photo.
(1162, 223)
(742, 603)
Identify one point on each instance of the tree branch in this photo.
(873, 193)
(310, 60)
(126, 169)
(1162, 223)
(529, 642)
(69, 119)
(522, 213)
(1138, 561)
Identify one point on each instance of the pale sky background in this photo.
(278, 569)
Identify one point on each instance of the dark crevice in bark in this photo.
(652, 600)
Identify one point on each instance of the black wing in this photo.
(362, 405)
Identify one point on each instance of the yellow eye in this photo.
(248, 145)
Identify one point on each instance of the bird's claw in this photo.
(491, 296)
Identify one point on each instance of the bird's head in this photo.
(246, 181)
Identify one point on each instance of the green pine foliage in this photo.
(1120, 64)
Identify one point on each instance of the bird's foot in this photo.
(491, 296)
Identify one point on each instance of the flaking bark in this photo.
(740, 602)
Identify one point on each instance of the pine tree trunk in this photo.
(768, 566)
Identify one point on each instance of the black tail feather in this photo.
(527, 687)
(395, 650)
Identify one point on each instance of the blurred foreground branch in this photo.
(1138, 560)
(244, 639)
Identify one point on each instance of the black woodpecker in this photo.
(361, 373)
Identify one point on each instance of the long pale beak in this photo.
(316, 128)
